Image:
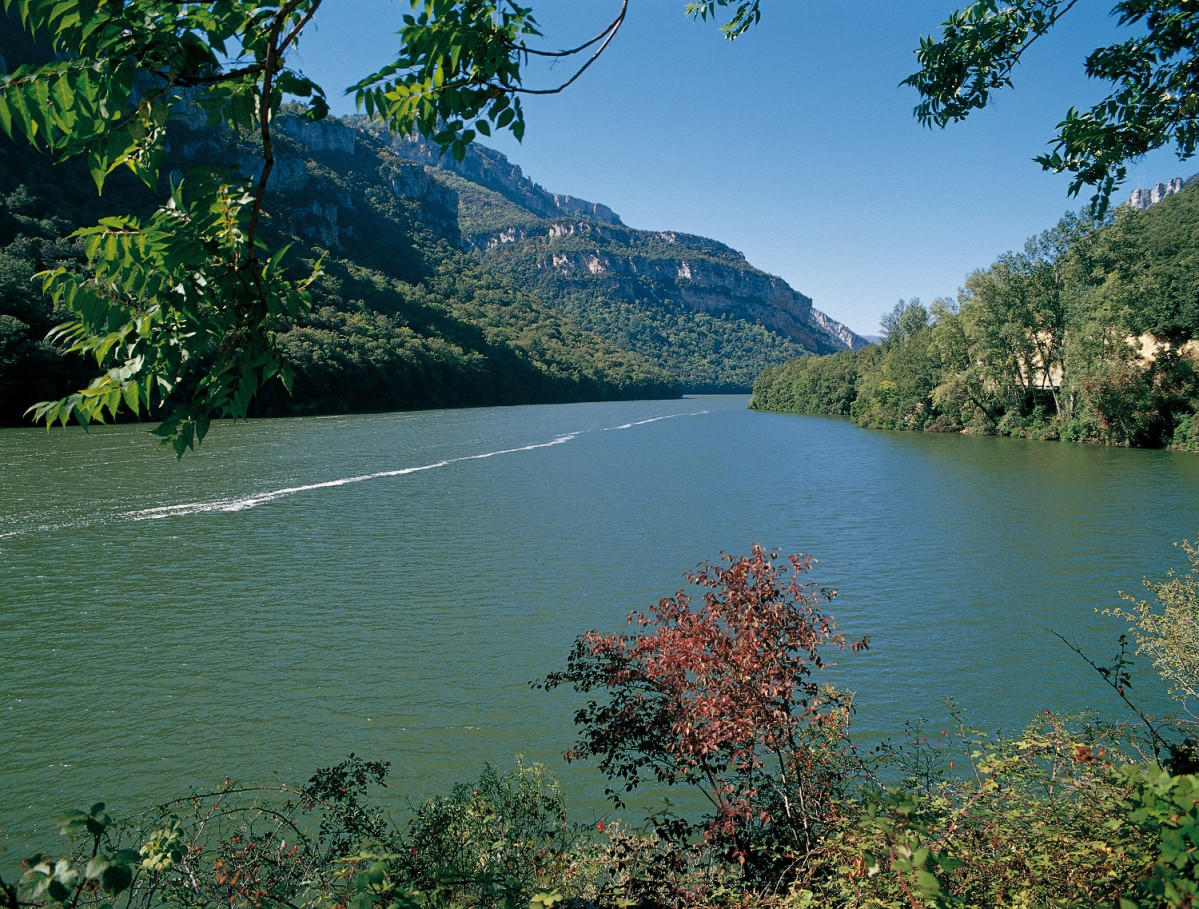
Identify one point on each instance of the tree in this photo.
(898, 393)
(178, 309)
(1153, 103)
(719, 695)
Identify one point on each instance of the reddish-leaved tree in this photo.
(719, 694)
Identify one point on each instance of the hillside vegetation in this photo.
(1088, 334)
(443, 283)
(401, 317)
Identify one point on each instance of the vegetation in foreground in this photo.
(1087, 335)
(715, 691)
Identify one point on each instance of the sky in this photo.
(794, 144)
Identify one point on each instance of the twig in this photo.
(1118, 679)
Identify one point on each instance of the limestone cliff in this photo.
(509, 220)
(703, 275)
(490, 169)
(1142, 198)
(692, 304)
(323, 172)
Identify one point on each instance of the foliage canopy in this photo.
(1153, 102)
(1086, 334)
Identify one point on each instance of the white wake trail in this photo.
(241, 503)
(669, 416)
(261, 498)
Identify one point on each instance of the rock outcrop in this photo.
(1142, 199)
(321, 136)
(842, 333)
(316, 205)
(494, 171)
(702, 274)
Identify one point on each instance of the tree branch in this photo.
(1113, 677)
(607, 32)
(607, 37)
(269, 67)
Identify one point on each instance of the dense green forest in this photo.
(400, 318)
(1088, 334)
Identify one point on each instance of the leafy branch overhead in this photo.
(179, 309)
(1153, 102)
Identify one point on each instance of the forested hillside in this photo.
(401, 317)
(1088, 334)
(690, 304)
(440, 287)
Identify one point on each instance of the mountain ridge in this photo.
(691, 304)
(492, 170)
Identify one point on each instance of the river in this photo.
(389, 584)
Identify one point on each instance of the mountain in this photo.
(445, 284)
(691, 304)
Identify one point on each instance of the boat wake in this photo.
(241, 503)
(261, 498)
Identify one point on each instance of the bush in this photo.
(500, 839)
(718, 695)
(1053, 818)
(1168, 630)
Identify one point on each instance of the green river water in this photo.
(389, 584)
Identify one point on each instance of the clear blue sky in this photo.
(794, 144)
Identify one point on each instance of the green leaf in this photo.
(928, 884)
(116, 878)
(5, 116)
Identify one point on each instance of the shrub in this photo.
(496, 841)
(1046, 819)
(1168, 630)
(718, 695)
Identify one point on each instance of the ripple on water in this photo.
(389, 584)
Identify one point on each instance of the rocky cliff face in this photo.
(702, 274)
(321, 136)
(312, 164)
(701, 284)
(842, 333)
(311, 180)
(1142, 199)
(493, 171)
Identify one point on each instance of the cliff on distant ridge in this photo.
(1142, 199)
(493, 170)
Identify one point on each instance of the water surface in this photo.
(389, 584)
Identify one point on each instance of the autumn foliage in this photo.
(718, 692)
